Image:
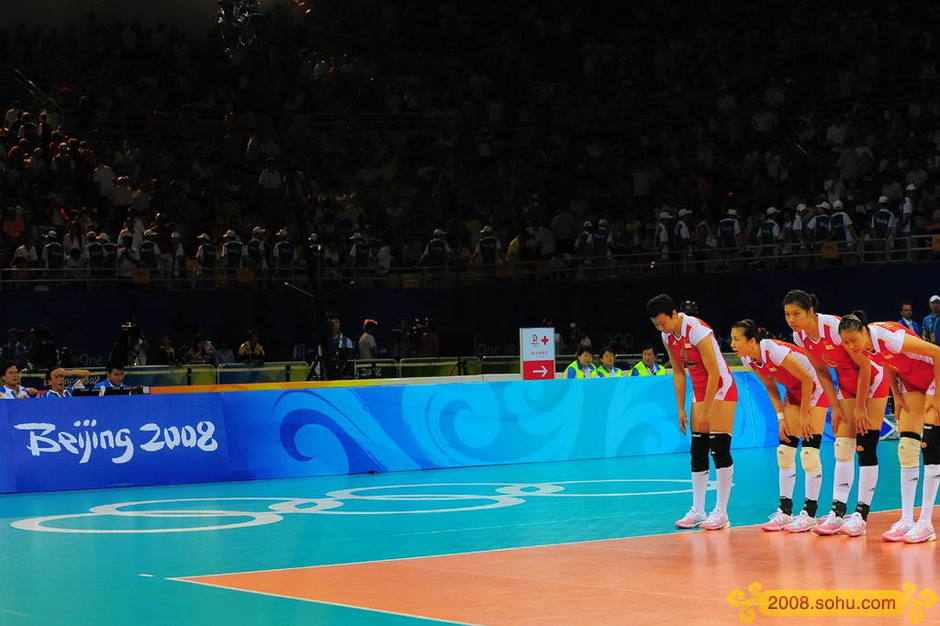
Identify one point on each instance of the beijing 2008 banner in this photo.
(110, 442)
(235, 435)
(537, 353)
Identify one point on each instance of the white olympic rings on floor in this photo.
(503, 495)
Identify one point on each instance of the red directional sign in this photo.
(538, 370)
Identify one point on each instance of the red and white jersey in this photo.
(693, 331)
(887, 339)
(828, 349)
(773, 353)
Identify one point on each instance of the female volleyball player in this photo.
(917, 366)
(857, 411)
(692, 347)
(801, 414)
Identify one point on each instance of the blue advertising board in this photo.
(178, 438)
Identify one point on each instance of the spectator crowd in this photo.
(381, 135)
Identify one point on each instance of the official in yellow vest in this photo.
(607, 368)
(648, 366)
(581, 367)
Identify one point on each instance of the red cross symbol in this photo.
(544, 341)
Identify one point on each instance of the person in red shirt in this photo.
(692, 348)
(800, 415)
(857, 410)
(915, 364)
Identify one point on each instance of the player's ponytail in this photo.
(751, 330)
(802, 299)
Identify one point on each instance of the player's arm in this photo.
(861, 391)
(792, 366)
(825, 379)
(678, 381)
(895, 392)
(774, 394)
(772, 391)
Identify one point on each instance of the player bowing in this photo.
(692, 348)
(801, 416)
(916, 363)
(857, 409)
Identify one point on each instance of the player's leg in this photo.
(786, 472)
(866, 448)
(698, 452)
(721, 426)
(812, 468)
(844, 473)
(930, 446)
(911, 426)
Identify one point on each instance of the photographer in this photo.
(251, 352)
(342, 351)
(131, 347)
(425, 337)
(43, 353)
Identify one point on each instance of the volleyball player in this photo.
(916, 363)
(692, 348)
(801, 415)
(857, 409)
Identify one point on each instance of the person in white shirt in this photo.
(367, 346)
(11, 389)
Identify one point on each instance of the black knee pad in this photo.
(720, 446)
(699, 452)
(813, 442)
(866, 447)
(931, 445)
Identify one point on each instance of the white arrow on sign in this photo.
(543, 371)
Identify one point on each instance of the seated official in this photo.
(115, 377)
(648, 365)
(251, 352)
(581, 367)
(55, 380)
(608, 368)
(11, 389)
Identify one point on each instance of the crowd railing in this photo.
(559, 268)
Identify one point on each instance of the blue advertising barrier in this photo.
(200, 437)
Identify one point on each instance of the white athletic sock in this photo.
(725, 478)
(813, 485)
(909, 478)
(787, 480)
(699, 483)
(931, 482)
(867, 481)
(842, 480)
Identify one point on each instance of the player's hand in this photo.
(806, 426)
(682, 421)
(32, 391)
(836, 418)
(861, 419)
(784, 433)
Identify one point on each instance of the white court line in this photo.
(339, 604)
